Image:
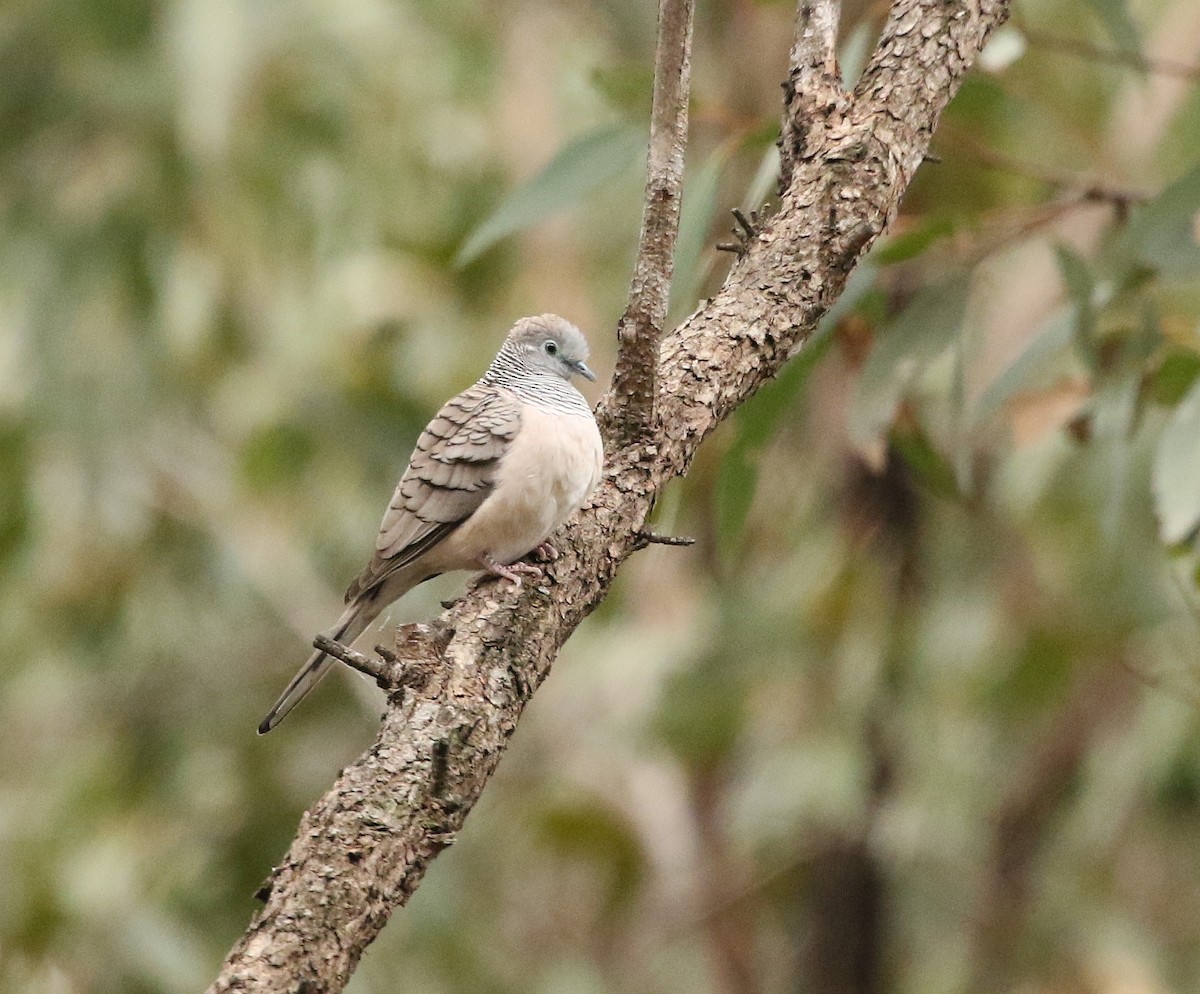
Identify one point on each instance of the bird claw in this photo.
(546, 553)
(511, 573)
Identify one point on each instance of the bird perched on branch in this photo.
(499, 468)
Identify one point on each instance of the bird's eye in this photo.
(550, 347)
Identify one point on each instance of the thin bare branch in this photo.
(1082, 186)
(385, 672)
(653, 538)
(640, 329)
(363, 848)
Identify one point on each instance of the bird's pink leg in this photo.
(546, 552)
(511, 573)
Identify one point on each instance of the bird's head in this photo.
(550, 344)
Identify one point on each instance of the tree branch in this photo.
(640, 328)
(813, 89)
(362, 849)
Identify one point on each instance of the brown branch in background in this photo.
(1100, 696)
(1081, 49)
(362, 849)
(841, 933)
(729, 930)
(1077, 185)
(635, 379)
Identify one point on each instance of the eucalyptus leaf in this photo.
(917, 336)
(912, 243)
(765, 178)
(1174, 377)
(582, 166)
(855, 51)
(930, 466)
(1162, 233)
(1114, 14)
(1034, 368)
(1177, 471)
(1080, 285)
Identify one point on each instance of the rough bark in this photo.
(640, 329)
(362, 850)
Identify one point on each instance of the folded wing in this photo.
(451, 473)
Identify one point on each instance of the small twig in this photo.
(640, 328)
(744, 233)
(645, 538)
(750, 230)
(388, 673)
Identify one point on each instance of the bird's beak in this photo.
(581, 368)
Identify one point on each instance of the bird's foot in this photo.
(511, 573)
(545, 553)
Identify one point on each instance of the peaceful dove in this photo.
(499, 468)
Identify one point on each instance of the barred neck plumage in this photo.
(534, 386)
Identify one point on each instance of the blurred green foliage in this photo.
(936, 642)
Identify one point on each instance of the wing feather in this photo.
(451, 472)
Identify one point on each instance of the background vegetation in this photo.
(917, 713)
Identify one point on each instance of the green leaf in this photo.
(276, 455)
(1162, 233)
(701, 714)
(927, 464)
(856, 49)
(1114, 14)
(736, 486)
(766, 177)
(1035, 367)
(14, 486)
(912, 243)
(916, 337)
(594, 832)
(1177, 471)
(582, 166)
(1174, 377)
(1080, 285)
(627, 87)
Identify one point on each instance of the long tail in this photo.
(350, 626)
